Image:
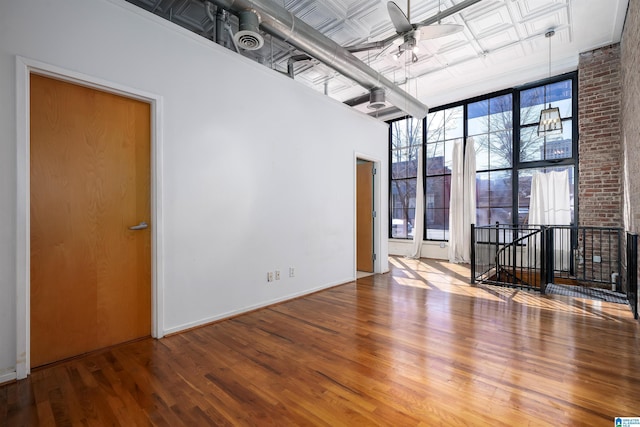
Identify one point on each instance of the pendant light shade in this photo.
(550, 121)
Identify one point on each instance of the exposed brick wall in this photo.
(630, 113)
(630, 63)
(600, 177)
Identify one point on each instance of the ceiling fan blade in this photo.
(399, 19)
(439, 30)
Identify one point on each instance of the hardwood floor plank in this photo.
(415, 347)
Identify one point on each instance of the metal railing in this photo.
(508, 255)
(632, 272)
(534, 255)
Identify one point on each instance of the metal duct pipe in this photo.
(248, 36)
(376, 99)
(281, 23)
(222, 38)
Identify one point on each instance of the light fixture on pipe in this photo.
(550, 121)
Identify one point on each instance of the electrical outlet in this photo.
(277, 274)
(292, 272)
(269, 276)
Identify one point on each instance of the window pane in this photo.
(454, 123)
(500, 188)
(501, 215)
(439, 158)
(435, 234)
(501, 150)
(448, 156)
(500, 113)
(559, 94)
(493, 197)
(534, 100)
(435, 126)
(559, 146)
(406, 133)
(403, 203)
(435, 158)
(478, 120)
(530, 144)
(437, 224)
(437, 191)
(531, 103)
(533, 147)
(482, 216)
(481, 145)
(398, 169)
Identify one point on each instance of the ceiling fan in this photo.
(412, 33)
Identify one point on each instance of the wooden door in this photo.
(364, 221)
(90, 181)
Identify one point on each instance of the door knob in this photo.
(140, 226)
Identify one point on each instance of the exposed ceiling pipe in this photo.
(218, 20)
(281, 23)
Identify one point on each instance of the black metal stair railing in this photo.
(632, 272)
(533, 257)
(508, 255)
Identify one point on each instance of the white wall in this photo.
(257, 171)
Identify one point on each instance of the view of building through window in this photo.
(504, 130)
(406, 139)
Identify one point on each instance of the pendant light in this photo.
(550, 120)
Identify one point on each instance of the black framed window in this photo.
(444, 127)
(406, 137)
(504, 130)
(490, 124)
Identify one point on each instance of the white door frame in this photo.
(24, 68)
(377, 207)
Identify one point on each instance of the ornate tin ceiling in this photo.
(502, 44)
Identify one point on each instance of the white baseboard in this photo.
(233, 313)
(9, 376)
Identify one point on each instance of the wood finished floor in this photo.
(417, 346)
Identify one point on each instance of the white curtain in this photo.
(462, 203)
(550, 199)
(550, 205)
(418, 222)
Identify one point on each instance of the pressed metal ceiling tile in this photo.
(499, 39)
(495, 21)
(499, 36)
(541, 23)
(531, 9)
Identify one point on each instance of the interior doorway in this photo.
(90, 241)
(365, 215)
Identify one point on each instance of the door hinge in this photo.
(373, 213)
(375, 257)
(374, 171)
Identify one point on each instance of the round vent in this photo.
(376, 99)
(248, 36)
(248, 40)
